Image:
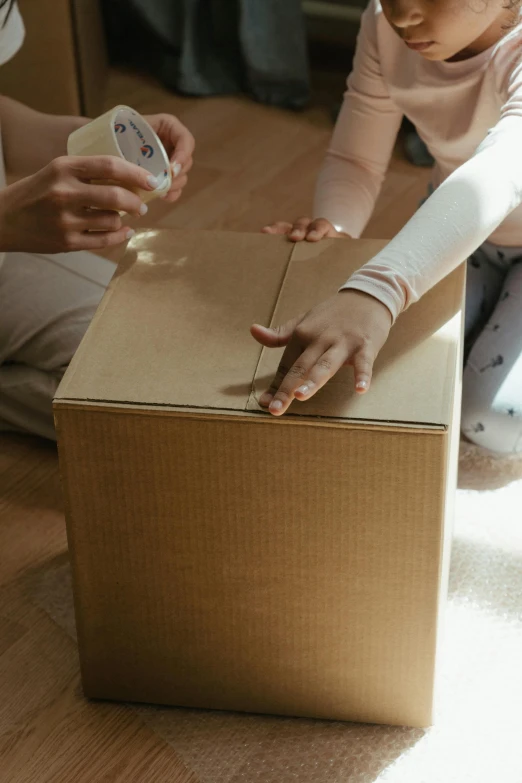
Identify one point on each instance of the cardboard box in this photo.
(62, 67)
(226, 559)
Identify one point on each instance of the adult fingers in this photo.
(99, 220)
(110, 168)
(98, 240)
(184, 144)
(175, 190)
(178, 170)
(112, 197)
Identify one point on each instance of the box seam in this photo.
(252, 395)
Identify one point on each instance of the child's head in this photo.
(444, 29)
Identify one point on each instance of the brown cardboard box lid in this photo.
(173, 330)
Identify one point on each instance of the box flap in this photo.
(173, 329)
(415, 373)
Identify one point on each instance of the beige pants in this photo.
(46, 305)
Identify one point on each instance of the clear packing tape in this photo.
(124, 133)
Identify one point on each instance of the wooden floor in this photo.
(254, 164)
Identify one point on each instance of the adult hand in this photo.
(60, 209)
(179, 145)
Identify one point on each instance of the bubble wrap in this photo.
(478, 730)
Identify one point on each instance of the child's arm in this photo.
(360, 150)
(362, 143)
(462, 213)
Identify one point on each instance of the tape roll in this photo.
(124, 133)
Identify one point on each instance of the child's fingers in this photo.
(276, 336)
(294, 371)
(299, 229)
(319, 229)
(325, 367)
(289, 365)
(363, 370)
(277, 228)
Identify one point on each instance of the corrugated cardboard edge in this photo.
(62, 390)
(260, 417)
(448, 509)
(79, 613)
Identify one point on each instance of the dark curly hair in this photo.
(512, 5)
(10, 6)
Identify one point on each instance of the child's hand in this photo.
(59, 209)
(306, 228)
(179, 145)
(349, 328)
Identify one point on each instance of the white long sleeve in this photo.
(470, 115)
(362, 143)
(462, 213)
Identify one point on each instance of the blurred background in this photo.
(258, 82)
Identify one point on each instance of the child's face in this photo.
(444, 29)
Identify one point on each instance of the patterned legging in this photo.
(492, 395)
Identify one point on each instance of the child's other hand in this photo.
(306, 228)
(349, 328)
(60, 208)
(179, 145)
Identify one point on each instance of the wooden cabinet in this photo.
(62, 66)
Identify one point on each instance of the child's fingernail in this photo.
(313, 234)
(276, 405)
(361, 385)
(306, 387)
(152, 182)
(144, 209)
(176, 168)
(130, 233)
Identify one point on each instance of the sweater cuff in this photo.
(381, 293)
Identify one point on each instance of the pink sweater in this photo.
(469, 114)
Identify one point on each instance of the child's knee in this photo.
(497, 428)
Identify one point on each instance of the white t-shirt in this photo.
(11, 39)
